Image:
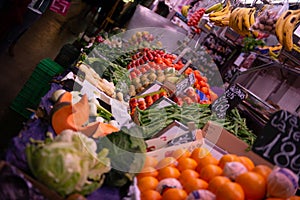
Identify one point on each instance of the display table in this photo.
(36, 129)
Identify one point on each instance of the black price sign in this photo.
(185, 83)
(279, 141)
(230, 99)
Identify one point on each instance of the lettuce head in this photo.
(69, 163)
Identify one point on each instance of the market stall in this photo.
(151, 113)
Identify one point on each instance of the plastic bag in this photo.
(265, 22)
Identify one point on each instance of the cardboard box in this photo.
(231, 144)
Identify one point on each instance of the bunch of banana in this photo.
(214, 8)
(285, 26)
(185, 10)
(221, 17)
(241, 19)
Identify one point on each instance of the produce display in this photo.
(241, 19)
(154, 119)
(86, 149)
(266, 21)
(186, 175)
(276, 20)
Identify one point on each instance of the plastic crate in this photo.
(35, 87)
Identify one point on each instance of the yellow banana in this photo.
(288, 30)
(252, 17)
(280, 24)
(214, 8)
(185, 10)
(234, 19)
(240, 16)
(224, 11)
(247, 17)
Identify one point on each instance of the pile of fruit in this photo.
(245, 22)
(195, 19)
(191, 175)
(148, 66)
(285, 26)
(239, 19)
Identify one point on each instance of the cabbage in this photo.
(68, 163)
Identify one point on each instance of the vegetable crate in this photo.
(35, 87)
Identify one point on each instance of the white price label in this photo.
(297, 31)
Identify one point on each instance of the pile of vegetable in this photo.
(76, 112)
(69, 163)
(154, 119)
(197, 174)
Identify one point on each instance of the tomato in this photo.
(155, 97)
(132, 75)
(163, 93)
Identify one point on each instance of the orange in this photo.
(200, 152)
(253, 184)
(294, 198)
(147, 171)
(228, 158)
(186, 163)
(216, 183)
(181, 153)
(206, 160)
(194, 184)
(147, 183)
(210, 171)
(150, 195)
(187, 174)
(150, 161)
(230, 191)
(168, 172)
(167, 161)
(247, 162)
(263, 170)
(174, 194)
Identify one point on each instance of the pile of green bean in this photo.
(152, 120)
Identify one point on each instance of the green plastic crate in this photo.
(36, 87)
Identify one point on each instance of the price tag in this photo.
(230, 99)
(297, 32)
(185, 83)
(279, 141)
(239, 59)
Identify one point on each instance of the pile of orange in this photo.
(200, 170)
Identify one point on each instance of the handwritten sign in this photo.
(185, 83)
(230, 99)
(279, 141)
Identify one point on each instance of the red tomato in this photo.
(163, 93)
(155, 97)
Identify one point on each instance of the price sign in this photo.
(230, 99)
(185, 83)
(279, 141)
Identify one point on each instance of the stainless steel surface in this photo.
(145, 19)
